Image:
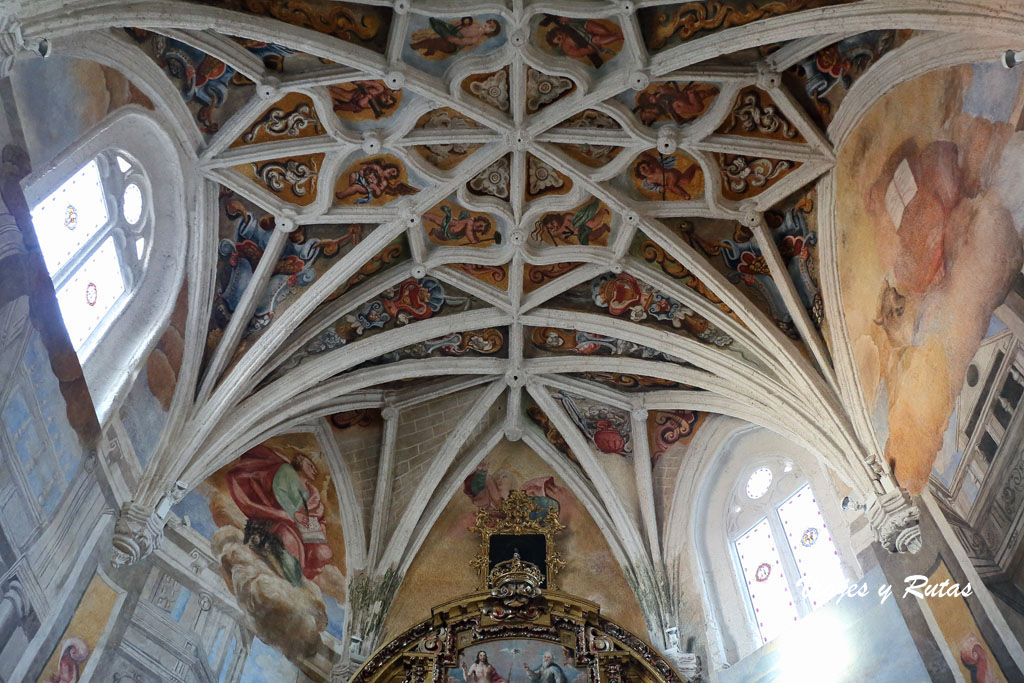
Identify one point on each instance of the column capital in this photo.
(895, 521)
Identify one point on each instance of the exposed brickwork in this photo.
(360, 447)
(663, 480)
(422, 431)
(494, 414)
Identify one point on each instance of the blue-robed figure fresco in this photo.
(240, 254)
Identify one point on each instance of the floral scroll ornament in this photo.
(542, 177)
(593, 155)
(744, 176)
(543, 89)
(444, 119)
(609, 428)
(752, 115)
(493, 180)
(672, 426)
(293, 174)
(279, 122)
(493, 90)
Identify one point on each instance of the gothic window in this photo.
(93, 232)
(110, 222)
(787, 561)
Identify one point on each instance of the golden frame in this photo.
(517, 515)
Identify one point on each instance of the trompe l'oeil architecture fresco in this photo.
(511, 342)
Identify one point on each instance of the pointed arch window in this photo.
(93, 232)
(110, 215)
(786, 559)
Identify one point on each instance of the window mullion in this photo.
(789, 562)
(84, 253)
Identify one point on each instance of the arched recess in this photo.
(441, 569)
(141, 136)
(870, 245)
(724, 452)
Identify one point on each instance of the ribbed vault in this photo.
(585, 225)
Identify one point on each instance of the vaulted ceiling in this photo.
(401, 207)
(585, 231)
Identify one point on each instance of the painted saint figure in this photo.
(375, 178)
(450, 228)
(486, 490)
(583, 39)
(547, 672)
(284, 511)
(586, 225)
(659, 174)
(444, 39)
(361, 96)
(666, 101)
(481, 670)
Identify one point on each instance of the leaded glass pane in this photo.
(91, 292)
(766, 581)
(132, 204)
(758, 483)
(69, 216)
(816, 556)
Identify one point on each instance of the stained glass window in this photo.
(92, 232)
(821, 573)
(789, 565)
(69, 216)
(90, 293)
(765, 578)
(758, 483)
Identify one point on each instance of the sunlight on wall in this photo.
(817, 650)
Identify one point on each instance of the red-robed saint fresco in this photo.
(284, 510)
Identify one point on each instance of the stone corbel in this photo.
(13, 45)
(894, 521)
(687, 664)
(139, 531)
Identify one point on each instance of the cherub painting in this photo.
(377, 180)
(454, 226)
(587, 225)
(659, 176)
(591, 41)
(359, 100)
(444, 39)
(666, 101)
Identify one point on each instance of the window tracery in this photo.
(93, 231)
(788, 563)
(113, 246)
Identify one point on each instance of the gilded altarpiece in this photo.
(515, 631)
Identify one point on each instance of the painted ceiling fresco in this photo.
(454, 255)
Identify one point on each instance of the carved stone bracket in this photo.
(894, 521)
(137, 533)
(686, 663)
(12, 43)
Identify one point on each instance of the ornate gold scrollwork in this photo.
(517, 515)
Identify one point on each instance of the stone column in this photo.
(14, 607)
